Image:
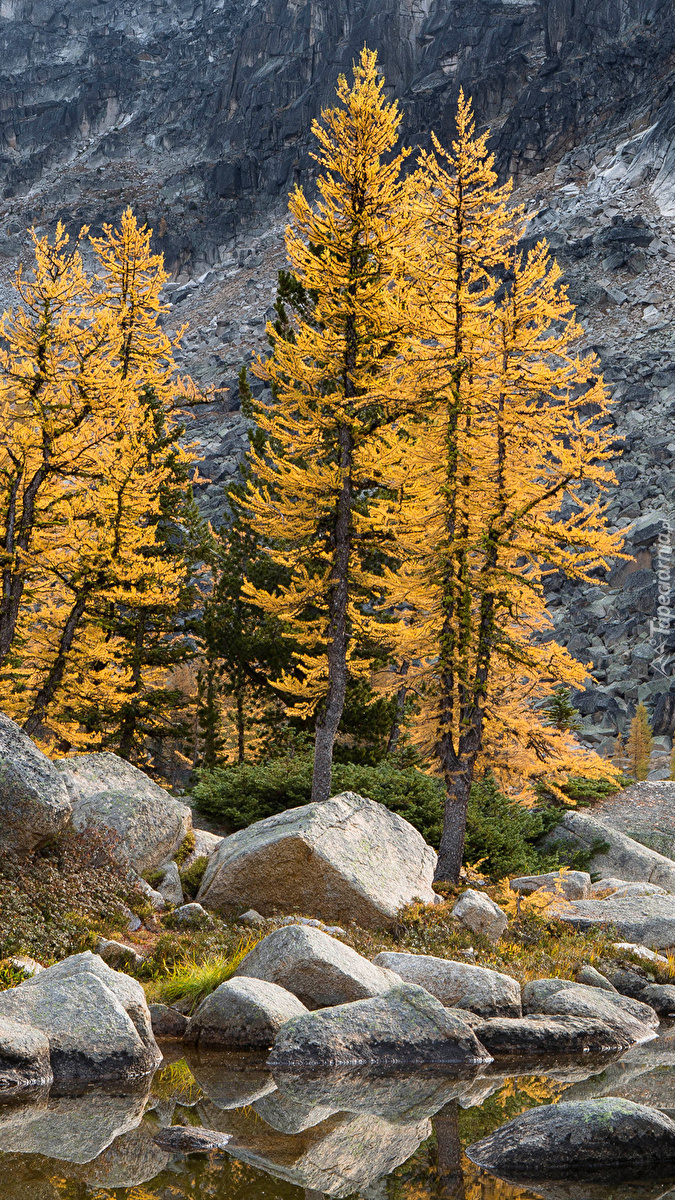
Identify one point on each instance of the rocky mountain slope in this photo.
(199, 116)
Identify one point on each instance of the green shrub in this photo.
(191, 877)
(240, 795)
(185, 849)
(584, 791)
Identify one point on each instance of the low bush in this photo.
(239, 795)
(191, 877)
(52, 901)
(185, 849)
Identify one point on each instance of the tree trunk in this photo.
(48, 690)
(395, 731)
(240, 725)
(330, 716)
(450, 1178)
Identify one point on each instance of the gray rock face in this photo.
(346, 859)
(24, 1059)
(105, 790)
(571, 885)
(34, 802)
(548, 1035)
(243, 1014)
(95, 1033)
(406, 1025)
(588, 976)
(584, 1136)
(614, 1010)
(480, 914)
(457, 985)
(171, 887)
(315, 967)
(648, 919)
(117, 955)
(191, 916)
(167, 1022)
(627, 860)
(126, 990)
(74, 1129)
(660, 997)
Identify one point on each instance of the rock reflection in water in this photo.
(373, 1135)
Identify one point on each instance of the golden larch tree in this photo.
(499, 484)
(336, 381)
(639, 744)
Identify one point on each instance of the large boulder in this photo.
(549, 1035)
(95, 1034)
(406, 1026)
(457, 984)
(625, 860)
(539, 990)
(582, 1136)
(24, 1059)
(315, 967)
(478, 913)
(570, 885)
(618, 1012)
(126, 990)
(243, 1014)
(104, 790)
(346, 859)
(34, 802)
(648, 919)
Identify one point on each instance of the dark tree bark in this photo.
(48, 690)
(450, 1177)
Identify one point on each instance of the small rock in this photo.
(582, 1135)
(315, 967)
(457, 985)
(592, 978)
(480, 914)
(251, 917)
(167, 1022)
(638, 889)
(660, 997)
(191, 1139)
(406, 1025)
(192, 915)
(641, 951)
(569, 885)
(156, 898)
(243, 1014)
(117, 955)
(170, 887)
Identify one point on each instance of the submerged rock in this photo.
(72, 1128)
(24, 1059)
(315, 967)
(548, 1035)
(347, 859)
(191, 1139)
(394, 1094)
(406, 1026)
(457, 985)
(583, 1136)
(243, 1014)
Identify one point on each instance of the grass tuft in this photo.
(192, 981)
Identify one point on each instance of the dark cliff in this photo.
(199, 113)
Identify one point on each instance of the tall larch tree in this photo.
(335, 383)
(499, 483)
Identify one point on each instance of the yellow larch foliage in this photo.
(81, 493)
(499, 484)
(639, 744)
(336, 381)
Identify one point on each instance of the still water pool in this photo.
(386, 1136)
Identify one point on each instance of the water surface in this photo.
(397, 1135)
